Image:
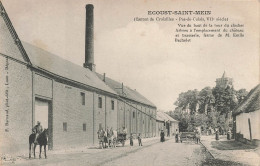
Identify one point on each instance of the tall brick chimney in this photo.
(89, 38)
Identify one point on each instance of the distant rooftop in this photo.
(126, 91)
(162, 116)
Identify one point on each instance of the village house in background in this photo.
(73, 102)
(166, 123)
(246, 118)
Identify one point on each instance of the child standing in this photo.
(140, 140)
(131, 140)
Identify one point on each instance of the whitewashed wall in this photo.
(255, 124)
(242, 126)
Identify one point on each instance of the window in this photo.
(65, 126)
(99, 102)
(133, 114)
(84, 127)
(112, 104)
(82, 98)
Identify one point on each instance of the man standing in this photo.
(105, 137)
(101, 134)
(140, 140)
(197, 135)
(37, 129)
(124, 132)
(131, 140)
(176, 136)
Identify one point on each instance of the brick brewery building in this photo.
(73, 102)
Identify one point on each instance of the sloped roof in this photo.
(127, 92)
(10, 43)
(161, 116)
(49, 62)
(251, 103)
(55, 64)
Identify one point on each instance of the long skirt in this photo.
(162, 139)
(105, 140)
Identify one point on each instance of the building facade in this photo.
(246, 118)
(166, 123)
(136, 113)
(70, 100)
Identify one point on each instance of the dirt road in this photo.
(151, 153)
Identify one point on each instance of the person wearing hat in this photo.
(37, 129)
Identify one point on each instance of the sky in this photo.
(143, 55)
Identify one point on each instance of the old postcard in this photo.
(129, 82)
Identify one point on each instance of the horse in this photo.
(112, 137)
(42, 141)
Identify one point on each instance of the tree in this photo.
(206, 100)
(188, 100)
(215, 106)
(241, 94)
(201, 120)
(212, 120)
(225, 99)
(182, 117)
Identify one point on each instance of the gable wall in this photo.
(7, 43)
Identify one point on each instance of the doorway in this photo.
(43, 114)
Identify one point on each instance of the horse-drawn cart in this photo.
(121, 137)
(187, 136)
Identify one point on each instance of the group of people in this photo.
(110, 137)
(178, 136)
(139, 140)
(197, 136)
